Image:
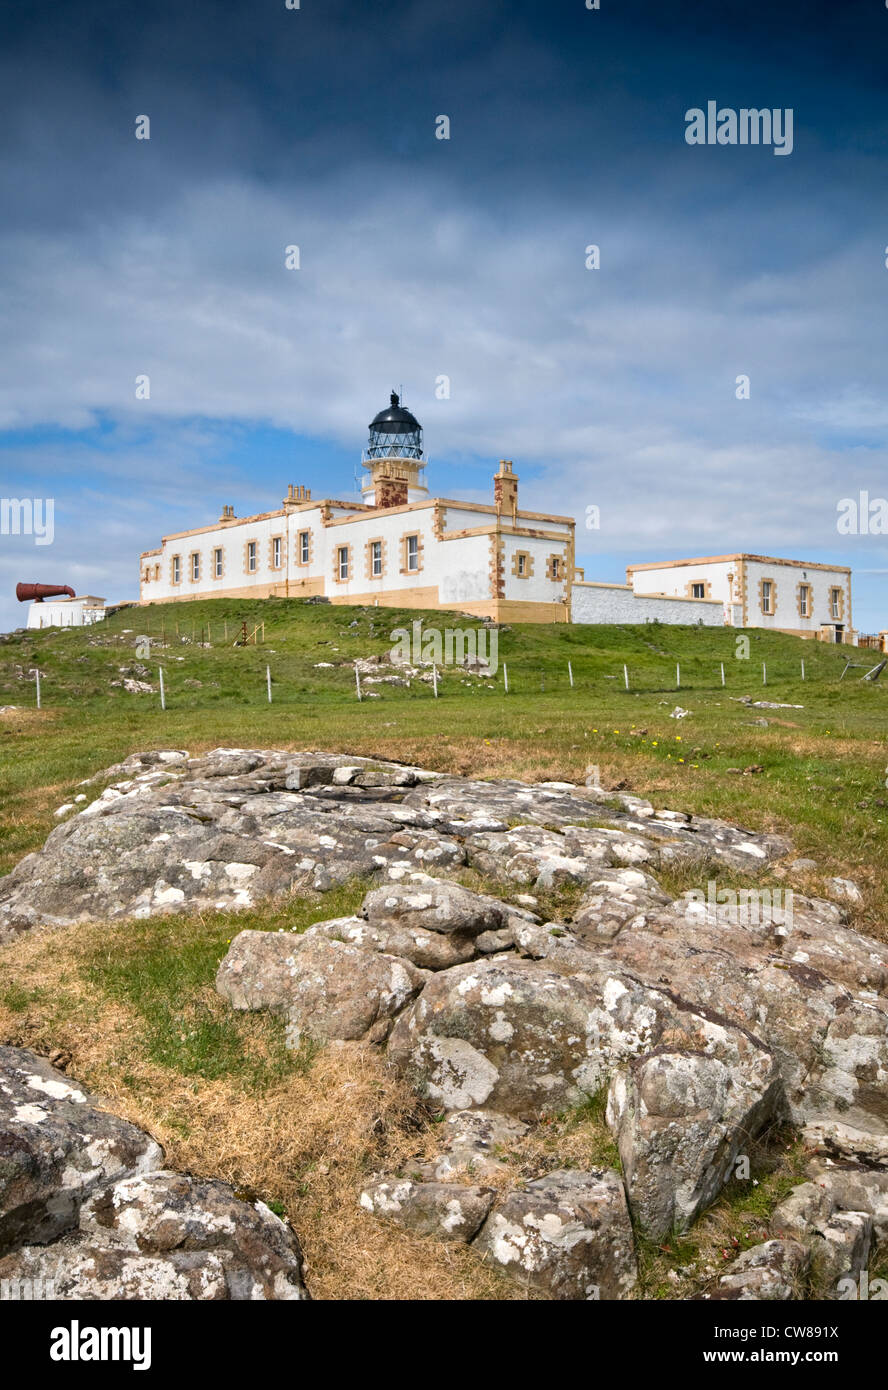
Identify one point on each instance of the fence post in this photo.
(37, 674)
(625, 675)
(803, 670)
(162, 693)
(723, 672)
(570, 675)
(435, 679)
(505, 678)
(764, 674)
(677, 676)
(358, 680)
(268, 681)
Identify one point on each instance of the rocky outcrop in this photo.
(567, 1235)
(87, 1211)
(773, 1272)
(701, 1022)
(231, 828)
(56, 1149)
(325, 987)
(449, 1211)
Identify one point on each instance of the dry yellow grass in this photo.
(308, 1143)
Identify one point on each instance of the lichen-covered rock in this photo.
(815, 992)
(56, 1147)
(325, 987)
(842, 1250)
(163, 1235)
(681, 1115)
(234, 827)
(471, 1141)
(446, 1211)
(87, 1211)
(614, 898)
(434, 905)
(510, 1034)
(849, 1187)
(772, 1272)
(429, 950)
(567, 1235)
(838, 1216)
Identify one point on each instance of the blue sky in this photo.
(422, 258)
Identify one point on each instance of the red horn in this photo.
(38, 592)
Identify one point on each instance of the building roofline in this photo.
(740, 555)
(354, 511)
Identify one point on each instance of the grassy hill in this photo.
(132, 1004)
(823, 766)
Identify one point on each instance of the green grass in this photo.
(824, 766)
(823, 776)
(163, 970)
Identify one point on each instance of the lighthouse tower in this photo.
(394, 458)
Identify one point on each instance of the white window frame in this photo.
(701, 585)
(342, 562)
(177, 569)
(276, 552)
(304, 547)
(217, 562)
(195, 568)
(412, 554)
(252, 557)
(376, 559)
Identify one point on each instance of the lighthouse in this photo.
(394, 458)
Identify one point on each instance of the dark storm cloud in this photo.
(465, 258)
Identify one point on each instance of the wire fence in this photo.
(739, 679)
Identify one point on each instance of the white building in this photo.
(66, 612)
(794, 596)
(399, 547)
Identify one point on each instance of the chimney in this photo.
(390, 492)
(505, 491)
(227, 514)
(296, 493)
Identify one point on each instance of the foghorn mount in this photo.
(38, 592)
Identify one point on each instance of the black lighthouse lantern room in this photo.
(395, 433)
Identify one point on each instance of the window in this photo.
(556, 567)
(698, 590)
(375, 559)
(835, 602)
(804, 601)
(342, 560)
(251, 557)
(767, 596)
(157, 571)
(522, 566)
(177, 569)
(276, 552)
(413, 552)
(304, 549)
(195, 567)
(217, 563)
